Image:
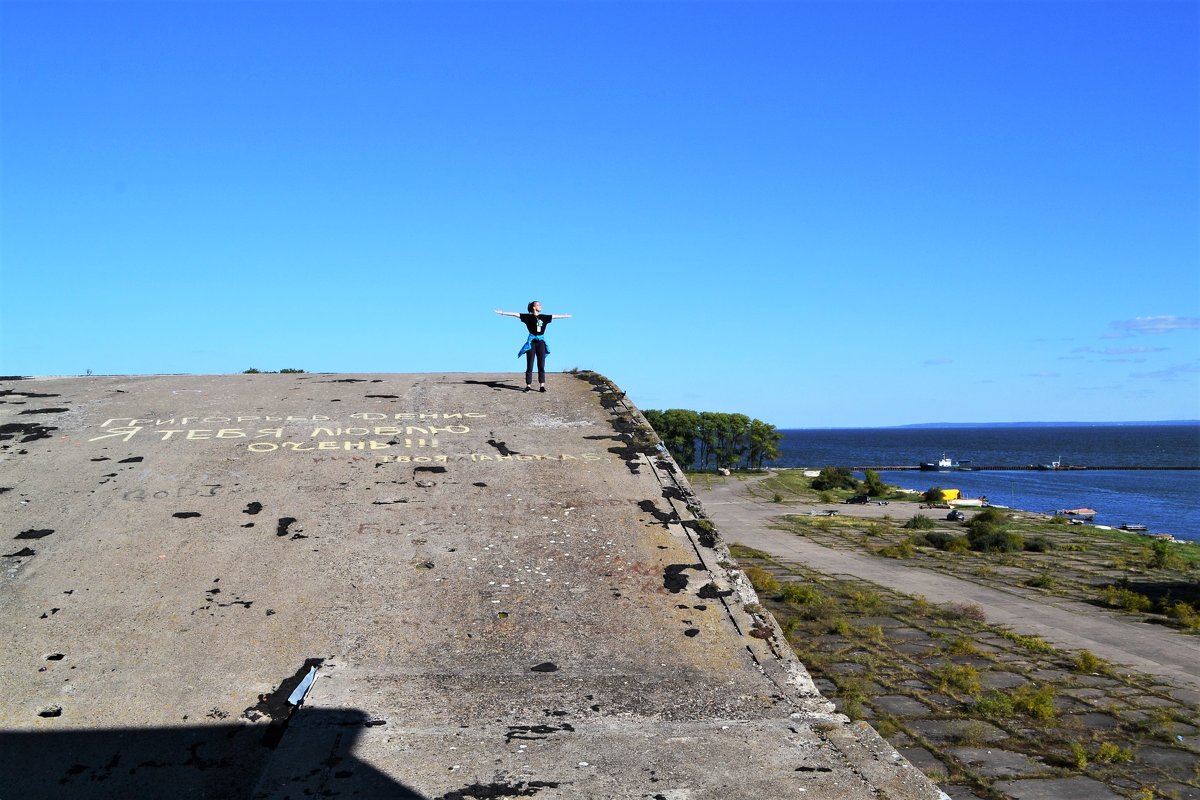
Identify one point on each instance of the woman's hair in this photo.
(531, 302)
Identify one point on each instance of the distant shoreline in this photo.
(1181, 423)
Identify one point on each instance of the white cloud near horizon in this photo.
(1119, 351)
(1170, 373)
(1152, 325)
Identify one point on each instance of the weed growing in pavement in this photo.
(1032, 643)
(1088, 662)
(810, 606)
(961, 611)
(763, 581)
(957, 678)
(1037, 703)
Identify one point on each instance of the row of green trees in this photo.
(707, 439)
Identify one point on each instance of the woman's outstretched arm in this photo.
(560, 316)
(507, 313)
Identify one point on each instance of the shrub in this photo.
(762, 580)
(902, 550)
(834, 478)
(1087, 662)
(991, 516)
(1039, 544)
(1044, 581)
(1185, 614)
(919, 522)
(988, 539)
(801, 594)
(1126, 599)
(1163, 557)
(878, 529)
(873, 486)
(941, 539)
(934, 494)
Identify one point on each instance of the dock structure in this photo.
(385, 586)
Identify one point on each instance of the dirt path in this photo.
(1151, 649)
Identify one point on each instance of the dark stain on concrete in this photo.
(283, 528)
(480, 484)
(132, 460)
(533, 732)
(438, 470)
(545, 666)
(24, 552)
(30, 431)
(14, 392)
(383, 396)
(494, 791)
(185, 514)
(253, 508)
(50, 613)
(34, 534)
(44, 410)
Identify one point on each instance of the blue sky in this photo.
(814, 213)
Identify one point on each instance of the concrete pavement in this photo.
(492, 594)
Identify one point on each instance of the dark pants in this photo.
(536, 348)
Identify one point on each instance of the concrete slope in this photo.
(466, 591)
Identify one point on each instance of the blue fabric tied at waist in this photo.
(525, 348)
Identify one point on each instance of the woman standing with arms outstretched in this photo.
(535, 346)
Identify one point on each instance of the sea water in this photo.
(1165, 500)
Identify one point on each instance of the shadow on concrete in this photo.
(497, 385)
(230, 761)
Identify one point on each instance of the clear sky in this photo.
(815, 213)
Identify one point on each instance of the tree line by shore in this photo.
(711, 439)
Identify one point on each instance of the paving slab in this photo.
(410, 586)
(995, 763)
(1056, 789)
